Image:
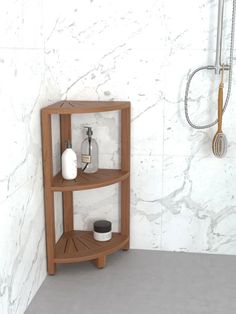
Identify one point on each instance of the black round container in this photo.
(102, 230)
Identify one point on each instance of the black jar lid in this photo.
(102, 226)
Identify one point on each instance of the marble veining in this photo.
(182, 198)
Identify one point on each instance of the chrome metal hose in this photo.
(217, 67)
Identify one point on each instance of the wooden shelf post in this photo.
(101, 262)
(48, 194)
(125, 166)
(67, 197)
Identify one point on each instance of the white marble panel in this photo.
(146, 207)
(108, 78)
(198, 199)
(21, 24)
(106, 132)
(72, 25)
(97, 204)
(23, 264)
(223, 238)
(189, 25)
(20, 119)
(147, 131)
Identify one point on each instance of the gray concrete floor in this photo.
(142, 282)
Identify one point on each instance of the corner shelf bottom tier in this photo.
(78, 246)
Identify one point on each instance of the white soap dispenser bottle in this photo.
(89, 153)
(69, 163)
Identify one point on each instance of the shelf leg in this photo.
(101, 262)
(125, 210)
(125, 165)
(51, 268)
(50, 232)
(67, 197)
(48, 195)
(126, 247)
(68, 224)
(65, 129)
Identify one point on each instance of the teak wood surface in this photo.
(74, 106)
(76, 246)
(67, 197)
(86, 181)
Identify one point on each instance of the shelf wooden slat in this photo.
(74, 106)
(78, 246)
(85, 181)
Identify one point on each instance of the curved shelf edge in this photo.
(79, 246)
(86, 181)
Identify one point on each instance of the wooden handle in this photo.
(220, 101)
(220, 107)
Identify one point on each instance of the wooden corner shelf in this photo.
(77, 246)
(85, 181)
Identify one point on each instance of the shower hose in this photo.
(211, 67)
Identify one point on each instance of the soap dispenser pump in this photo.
(89, 153)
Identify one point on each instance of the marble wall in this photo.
(22, 242)
(183, 198)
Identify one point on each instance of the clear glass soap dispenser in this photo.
(89, 153)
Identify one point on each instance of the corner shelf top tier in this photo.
(73, 106)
